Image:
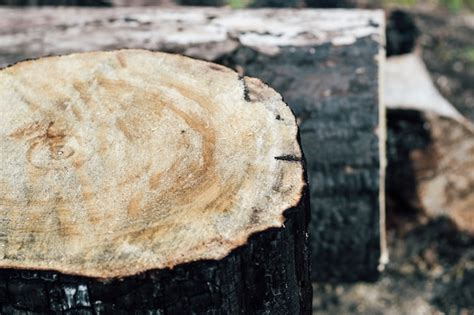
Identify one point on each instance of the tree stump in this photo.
(140, 182)
(325, 63)
(430, 147)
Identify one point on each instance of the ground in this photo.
(431, 271)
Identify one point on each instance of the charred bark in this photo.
(333, 91)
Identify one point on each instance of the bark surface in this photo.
(326, 65)
(144, 188)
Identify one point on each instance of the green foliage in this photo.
(454, 5)
(458, 5)
(401, 2)
(468, 54)
(239, 4)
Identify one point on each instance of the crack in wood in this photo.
(246, 89)
(288, 157)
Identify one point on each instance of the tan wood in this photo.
(113, 163)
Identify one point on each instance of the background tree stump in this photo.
(141, 182)
(430, 147)
(326, 65)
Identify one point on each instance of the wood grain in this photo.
(114, 163)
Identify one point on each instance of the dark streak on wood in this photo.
(288, 157)
(246, 89)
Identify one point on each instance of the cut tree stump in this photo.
(430, 147)
(141, 182)
(326, 64)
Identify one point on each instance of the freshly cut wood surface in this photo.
(113, 163)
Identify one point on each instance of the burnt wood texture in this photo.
(326, 65)
(333, 91)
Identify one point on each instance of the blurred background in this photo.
(454, 5)
(431, 268)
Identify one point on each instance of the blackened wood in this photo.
(402, 33)
(276, 3)
(333, 91)
(202, 2)
(406, 133)
(330, 3)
